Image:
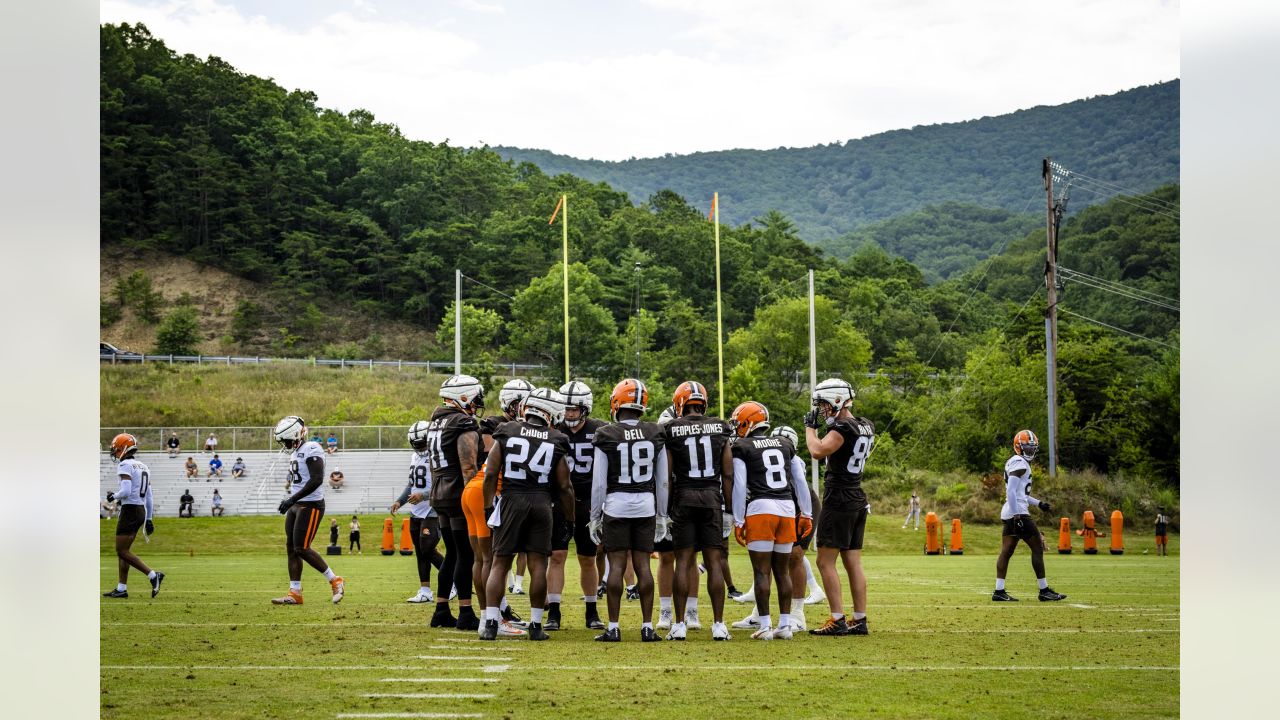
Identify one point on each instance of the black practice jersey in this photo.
(695, 444)
(530, 455)
(843, 487)
(447, 424)
(581, 452)
(768, 461)
(632, 453)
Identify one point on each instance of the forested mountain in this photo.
(1129, 139)
(327, 210)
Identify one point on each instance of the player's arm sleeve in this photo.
(126, 485)
(661, 487)
(599, 482)
(315, 478)
(404, 494)
(801, 487)
(1012, 489)
(739, 492)
(147, 502)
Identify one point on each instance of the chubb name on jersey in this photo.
(526, 431)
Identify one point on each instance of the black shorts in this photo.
(1028, 532)
(581, 517)
(132, 517)
(301, 523)
(558, 523)
(622, 534)
(450, 516)
(841, 529)
(697, 527)
(526, 524)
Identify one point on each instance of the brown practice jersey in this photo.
(487, 426)
(632, 454)
(581, 454)
(446, 426)
(768, 461)
(843, 487)
(695, 444)
(530, 455)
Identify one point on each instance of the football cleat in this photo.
(551, 624)
(691, 620)
(832, 627)
(515, 590)
(816, 595)
(782, 632)
(677, 632)
(467, 619)
(490, 630)
(292, 597)
(633, 592)
(159, 578)
(453, 593)
(422, 596)
(764, 633)
(118, 594)
(536, 633)
(600, 591)
(1002, 596)
(664, 618)
(339, 589)
(648, 634)
(749, 622)
(611, 635)
(798, 623)
(509, 615)
(506, 629)
(594, 622)
(553, 616)
(733, 592)
(858, 627)
(1048, 595)
(747, 597)
(442, 617)
(720, 632)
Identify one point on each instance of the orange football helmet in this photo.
(749, 416)
(1026, 444)
(630, 394)
(689, 392)
(122, 445)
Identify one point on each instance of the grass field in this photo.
(211, 645)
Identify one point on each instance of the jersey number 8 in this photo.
(775, 466)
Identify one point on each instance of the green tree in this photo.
(480, 330)
(537, 327)
(179, 333)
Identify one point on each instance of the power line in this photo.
(1127, 201)
(468, 277)
(1117, 284)
(1126, 191)
(1113, 327)
(1122, 292)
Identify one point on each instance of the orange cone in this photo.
(388, 537)
(406, 539)
(957, 539)
(1090, 534)
(932, 535)
(1064, 536)
(1117, 533)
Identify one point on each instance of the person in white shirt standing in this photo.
(1018, 524)
(914, 512)
(303, 509)
(135, 513)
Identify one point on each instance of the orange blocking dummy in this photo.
(957, 540)
(406, 540)
(388, 537)
(1064, 536)
(1117, 533)
(932, 535)
(1090, 534)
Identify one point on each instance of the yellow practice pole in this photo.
(564, 201)
(715, 204)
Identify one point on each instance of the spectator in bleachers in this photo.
(173, 444)
(184, 504)
(192, 469)
(211, 443)
(215, 468)
(336, 479)
(331, 444)
(238, 470)
(215, 507)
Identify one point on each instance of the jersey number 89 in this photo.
(858, 458)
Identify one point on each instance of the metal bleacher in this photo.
(374, 478)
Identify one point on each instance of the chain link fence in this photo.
(193, 440)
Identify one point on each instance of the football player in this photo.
(845, 448)
(801, 573)
(530, 456)
(453, 445)
(629, 500)
(666, 554)
(303, 509)
(1018, 524)
(424, 526)
(700, 462)
(581, 431)
(134, 495)
(768, 486)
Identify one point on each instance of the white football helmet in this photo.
(290, 432)
(418, 435)
(463, 392)
(838, 393)
(577, 394)
(667, 415)
(546, 404)
(515, 391)
(787, 432)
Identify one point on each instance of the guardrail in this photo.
(232, 439)
(445, 366)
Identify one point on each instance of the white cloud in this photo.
(482, 7)
(729, 73)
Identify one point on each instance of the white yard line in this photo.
(893, 668)
(275, 667)
(441, 696)
(408, 715)
(440, 680)
(482, 658)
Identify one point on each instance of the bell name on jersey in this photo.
(632, 455)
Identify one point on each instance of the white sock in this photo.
(613, 626)
(492, 613)
(295, 585)
(422, 591)
(858, 616)
(797, 606)
(664, 603)
(647, 625)
(151, 575)
(503, 604)
(553, 597)
(329, 574)
(1044, 583)
(784, 619)
(808, 573)
(121, 587)
(837, 616)
(537, 614)
(765, 622)
(691, 604)
(999, 584)
(519, 583)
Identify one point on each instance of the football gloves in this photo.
(285, 504)
(804, 526)
(593, 529)
(111, 497)
(811, 419)
(1045, 506)
(151, 528)
(567, 534)
(661, 528)
(740, 534)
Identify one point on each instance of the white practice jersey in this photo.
(1017, 489)
(420, 482)
(135, 484)
(299, 476)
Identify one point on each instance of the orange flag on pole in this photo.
(556, 211)
(712, 215)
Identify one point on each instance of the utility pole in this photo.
(457, 322)
(1052, 215)
(813, 374)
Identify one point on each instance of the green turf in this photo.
(212, 646)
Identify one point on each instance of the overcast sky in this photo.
(640, 78)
